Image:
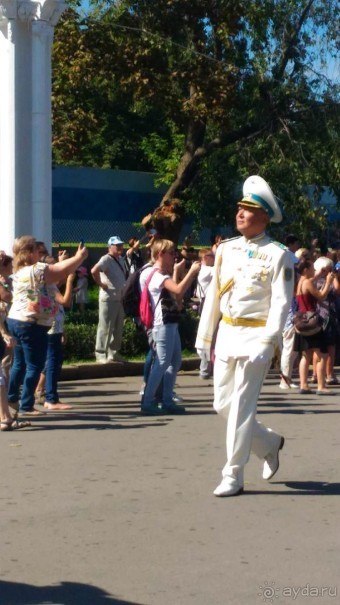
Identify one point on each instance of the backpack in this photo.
(131, 294)
(145, 308)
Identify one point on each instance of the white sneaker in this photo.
(228, 487)
(271, 461)
(176, 398)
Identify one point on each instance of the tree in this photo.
(237, 76)
(95, 121)
(239, 87)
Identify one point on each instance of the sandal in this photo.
(14, 424)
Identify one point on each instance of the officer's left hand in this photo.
(262, 354)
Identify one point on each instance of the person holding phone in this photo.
(29, 321)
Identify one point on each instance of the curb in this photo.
(86, 371)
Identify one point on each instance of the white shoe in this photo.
(271, 461)
(283, 385)
(291, 385)
(176, 398)
(228, 487)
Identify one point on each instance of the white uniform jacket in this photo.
(250, 295)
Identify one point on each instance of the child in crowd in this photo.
(80, 291)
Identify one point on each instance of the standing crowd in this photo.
(250, 292)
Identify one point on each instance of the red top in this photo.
(306, 302)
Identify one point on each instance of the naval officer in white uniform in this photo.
(248, 300)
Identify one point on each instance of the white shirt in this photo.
(203, 280)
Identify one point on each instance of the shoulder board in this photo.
(229, 239)
(280, 245)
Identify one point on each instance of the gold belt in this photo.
(247, 322)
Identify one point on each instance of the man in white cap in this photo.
(110, 275)
(247, 302)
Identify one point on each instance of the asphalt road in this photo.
(100, 505)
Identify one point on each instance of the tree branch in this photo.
(289, 43)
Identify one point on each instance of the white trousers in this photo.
(288, 355)
(237, 386)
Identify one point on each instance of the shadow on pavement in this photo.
(298, 411)
(91, 426)
(66, 593)
(316, 488)
(296, 488)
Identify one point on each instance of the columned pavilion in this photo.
(26, 35)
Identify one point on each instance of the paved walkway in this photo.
(102, 506)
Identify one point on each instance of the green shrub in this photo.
(89, 317)
(135, 342)
(79, 341)
(188, 325)
(80, 332)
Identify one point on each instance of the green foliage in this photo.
(204, 93)
(164, 153)
(95, 121)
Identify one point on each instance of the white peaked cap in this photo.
(256, 192)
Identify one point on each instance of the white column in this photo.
(42, 36)
(7, 133)
(26, 34)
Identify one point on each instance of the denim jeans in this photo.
(166, 364)
(54, 361)
(28, 361)
(148, 364)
